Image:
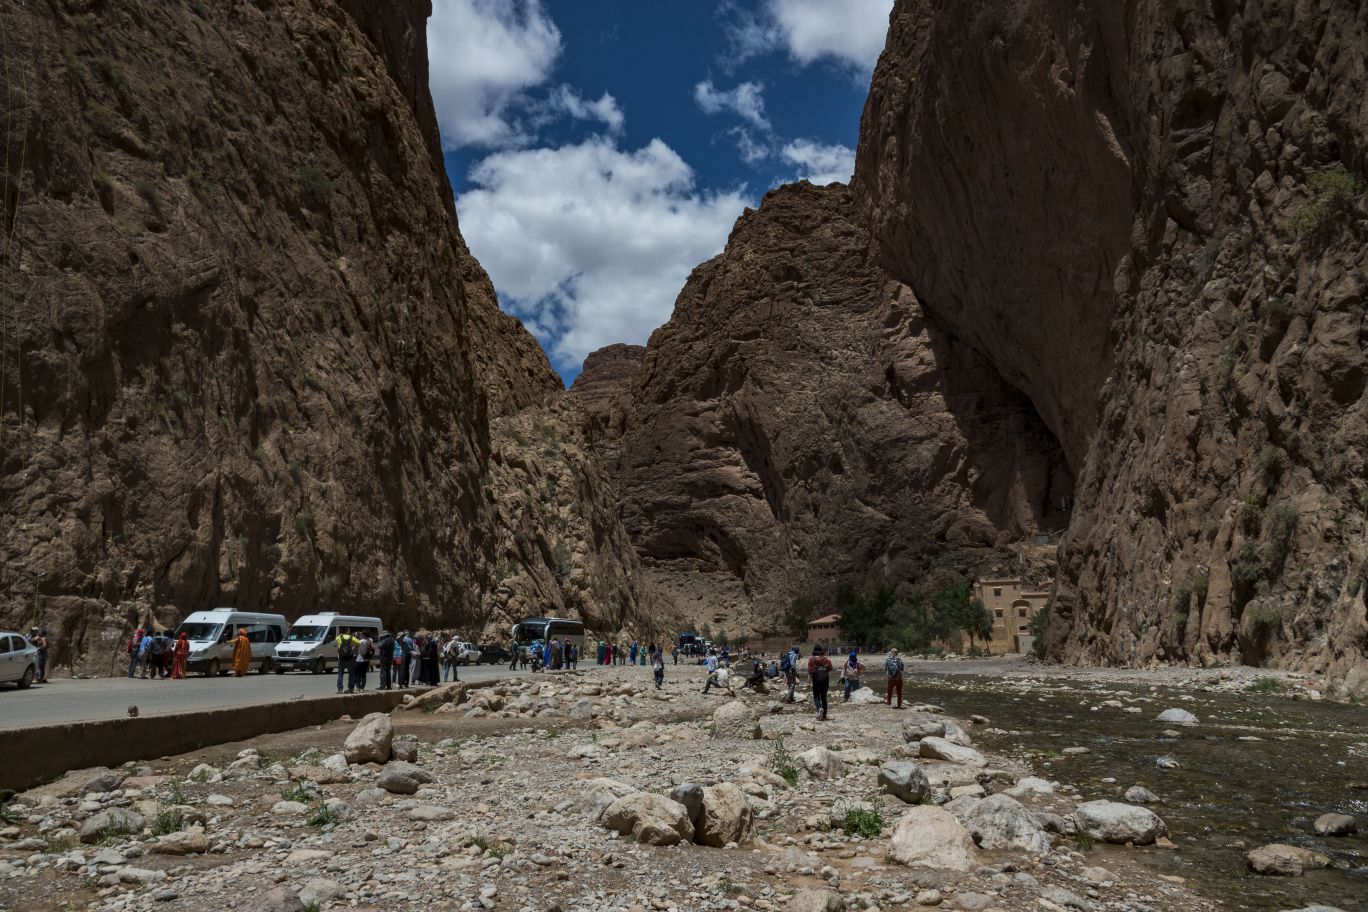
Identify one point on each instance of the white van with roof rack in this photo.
(311, 643)
(211, 635)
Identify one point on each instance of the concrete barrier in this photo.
(34, 755)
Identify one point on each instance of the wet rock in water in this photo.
(924, 727)
(187, 842)
(401, 778)
(1177, 717)
(653, 819)
(815, 901)
(602, 792)
(689, 794)
(941, 749)
(1138, 794)
(726, 817)
(1282, 860)
(74, 784)
(1117, 823)
(113, 822)
(281, 899)
(932, 837)
(735, 720)
(905, 780)
(371, 740)
(1335, 825)
(1167, 762)
(1000, 822)
(821, 763)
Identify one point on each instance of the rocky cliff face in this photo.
(1150, 218)
(246, 358)
(604, 389)
(799, 423)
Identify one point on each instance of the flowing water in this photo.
(1226, 795)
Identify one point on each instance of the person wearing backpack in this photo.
(658, 665)
(346, 659)
(385, 649)
(154, 655)
(133, 643)
(788, 666)
(365, 651)
(819, 673)
(893, 667)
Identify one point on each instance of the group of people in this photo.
(819, 669)
(405, 659)
(622, 653)
(155, 654)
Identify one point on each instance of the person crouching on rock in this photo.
(819, 674)
(850, 676)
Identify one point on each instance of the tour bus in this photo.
(312, 640)
(211, 635)
(540, 630)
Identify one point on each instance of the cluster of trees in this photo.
(926, 620)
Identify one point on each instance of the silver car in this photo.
(18, 659)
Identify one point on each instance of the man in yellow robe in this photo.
(242, 653)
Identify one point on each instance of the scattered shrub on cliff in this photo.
(1331, 196)
(315, 190)
(1195, 584)
(314, 383)
(1355, 584)
(1264, 615)
(1279, 525)
(1247, 570)
(1270, 461)
(863, 821)
(782, 763)
(303, 521)
(148, 191)
(1276, 311)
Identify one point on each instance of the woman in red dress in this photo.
(180, 653)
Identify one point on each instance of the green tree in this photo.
(978, 622)
(722, 638)
(706, 632)
(796, 618)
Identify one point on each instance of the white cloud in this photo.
(747, 101)
(568, 101)
(752, 151)
(484, 55)
(589, 243)
(848, 32)
(819, 162)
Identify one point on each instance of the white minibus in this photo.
(312, 641)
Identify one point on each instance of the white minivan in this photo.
(312, 641)
(211, 635)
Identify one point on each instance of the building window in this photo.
(998, 612)
(1021, 612)
(997, 591)
(1021, 629)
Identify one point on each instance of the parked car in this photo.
(18, 659)
(467, 654)
(492, 654)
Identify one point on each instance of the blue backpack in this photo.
(786, 663)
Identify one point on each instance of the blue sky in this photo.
(600, 149)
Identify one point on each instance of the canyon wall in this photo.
(246, 358)
(799, 423)
(1150, 218)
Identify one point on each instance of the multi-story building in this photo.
(1012, 604)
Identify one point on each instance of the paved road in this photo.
(68, 700)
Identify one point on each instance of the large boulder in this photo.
(942, 749)
(187, 842)
(1114, 822)
(401, 778)
(600, 793)
(113, 822)
(924, 726)
(864, 695)
(904, 780)
(1000, 822)
(726, 817)
(821, 763)
(1284, 860)
(689, 794)
(281, 899)
(932, 837)
(74, 784)
(653, 819)
(1177, 717)
(371, 740)
(735, 719)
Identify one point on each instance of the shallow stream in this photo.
(1226, 795)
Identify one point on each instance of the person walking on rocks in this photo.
(180, 655)
(788, 665)
(893, 668)
(674, 654)
(658, 667)
(385, 649)
(242, 653)
(513, 651)
(850, 675)
(819, 673)
(346, 658)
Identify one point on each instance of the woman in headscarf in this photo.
(242, 653)
(430, 674)
(850, 675)
(179, 654)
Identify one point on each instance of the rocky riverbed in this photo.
(592, 791)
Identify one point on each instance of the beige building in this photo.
(1012, 604)
(824, 630)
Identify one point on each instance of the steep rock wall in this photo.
(246, 356)
(1201, 280)
(799, 423)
